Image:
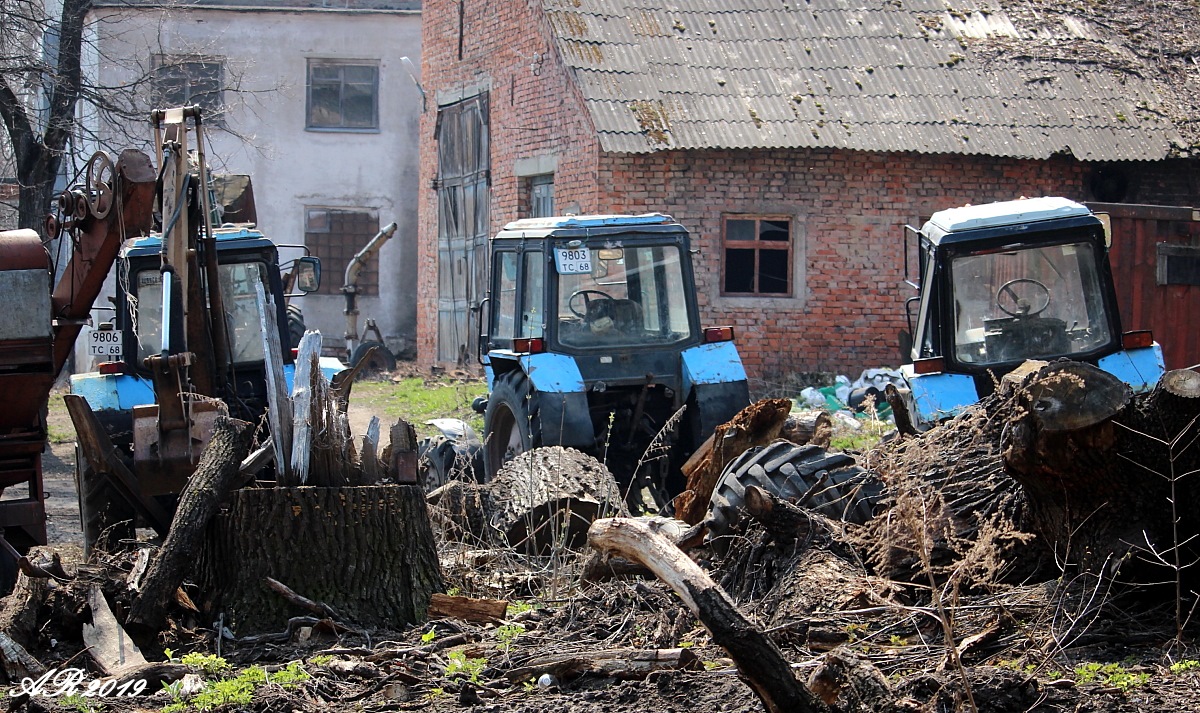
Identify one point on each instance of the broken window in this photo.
(757, 252)
(342, 95)
(182, 80)
(335, 235)
(1177, 264)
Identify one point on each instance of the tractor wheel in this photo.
(101, 508)
(379, 362)
(436, 463)
(843, 491)
(295, 324)
(510, 421)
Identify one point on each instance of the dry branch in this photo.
(758, 660)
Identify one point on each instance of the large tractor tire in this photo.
(510, 421)
(295, 324)
(843, 490)
(378, 362)
(101, 507)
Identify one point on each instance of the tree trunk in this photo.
(366, 552)
(756, 425)
(1060, 445)
(216, 474)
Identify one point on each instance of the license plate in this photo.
(573, 261)
(104, 343)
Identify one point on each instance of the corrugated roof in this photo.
(915, 75)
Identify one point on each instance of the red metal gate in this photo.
(1155, 257)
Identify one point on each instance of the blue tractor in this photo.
(1003, 283)
(592, 340)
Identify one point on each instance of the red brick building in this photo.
(795, 144)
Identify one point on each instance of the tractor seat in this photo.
(626, 315)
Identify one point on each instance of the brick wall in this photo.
(849, 207)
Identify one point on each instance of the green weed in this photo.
(508, 634)
(1110, 674)
(416, 400)
(469, 668)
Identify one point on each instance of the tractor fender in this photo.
(938, 396)
(561, 395)
(714, 381)
(716, 363)
(1140, 368)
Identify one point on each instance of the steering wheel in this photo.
(586, 302)
(100, 174)
(1021, 306)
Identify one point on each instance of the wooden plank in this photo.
(279, 408)
(483, 611)
(108, 644)
(302, 403)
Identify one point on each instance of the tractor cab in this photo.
(1003, 283)
(592, 340)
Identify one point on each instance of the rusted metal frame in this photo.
(101, 455)
(99, 241)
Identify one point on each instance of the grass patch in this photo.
(417, 400)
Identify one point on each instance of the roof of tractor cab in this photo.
(585, 225)
(976, 222)
(229, 237)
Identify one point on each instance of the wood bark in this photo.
(19, 617)
(1060, 445)
(756, 425)
(483, 611)
(758, 659)
(367, 552)
(216, 474)
(547, 497)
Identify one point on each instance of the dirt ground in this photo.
(449, 665)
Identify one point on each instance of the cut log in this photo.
(107, 643)
(216, 474)
(545, 499)
(368, 552)
(621, 664)
(756, 425)
(483, 611)
(759, 661)
(804, 427)
(19, 617)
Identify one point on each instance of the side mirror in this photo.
(308, 274)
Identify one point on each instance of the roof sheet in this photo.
(911, 76)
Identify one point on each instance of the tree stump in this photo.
(366, 552)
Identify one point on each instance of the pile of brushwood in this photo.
(1033, 554)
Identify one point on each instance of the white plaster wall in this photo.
(265, 133)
